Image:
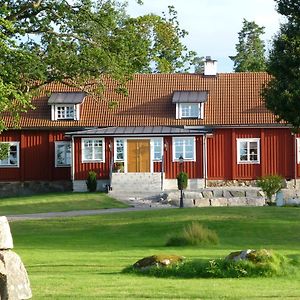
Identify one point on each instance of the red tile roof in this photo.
(233, 99)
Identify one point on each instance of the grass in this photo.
(57, 202)
(83, 257)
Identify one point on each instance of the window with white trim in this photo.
(119, 150)
(62, 154)
(189, 111)
(65, 112)
(12, 159)
(157, 148)
(93, 150)
(248, 151)
(184, 147)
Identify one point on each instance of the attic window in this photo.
(189, 104)
(65, 106)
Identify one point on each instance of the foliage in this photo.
(270, 184)
(268, 266)
(75, 42)
(250, 49)
(192, 235)
(182, 180)
(91, 181)
(282, 93)
(4, 148)
(118, 167)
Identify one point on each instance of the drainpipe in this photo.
(205, 160)
(72, 163)
(295, 160)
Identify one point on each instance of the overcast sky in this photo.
(213, 25)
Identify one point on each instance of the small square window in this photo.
(248, 151)
(93, 150)
(184, 147)
(12, 158)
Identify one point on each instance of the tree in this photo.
(75, 42)
(250, 49)
(282, 94)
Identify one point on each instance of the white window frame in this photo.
(152, 144)
(17, 144)
(248, 141)
(54, 112)
(65, 143)
(179, 107)
(298, 150)
(93, 139)
(192, 138)
(124, 149)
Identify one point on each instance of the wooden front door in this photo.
(138, 156)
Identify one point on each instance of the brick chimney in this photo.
(210, 67)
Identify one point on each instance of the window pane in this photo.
(120, 150)
(184, 147)
(157, 149)
(88, 153)
(12, 158)
(189, 110)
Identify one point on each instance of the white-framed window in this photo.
(119, 150)
(65, 112)
(157, 149)
(248, 151)
(93, 150)
(62, 154)
(189, 111)
(184, 147)
(12, 159)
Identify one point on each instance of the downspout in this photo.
(295, 161)
(205, 160)
(73, 163)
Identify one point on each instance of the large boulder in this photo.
(254, 256)
(14, 282)
(6, 241)
(157, 261)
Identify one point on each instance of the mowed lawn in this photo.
(82, 257)
(57, 202)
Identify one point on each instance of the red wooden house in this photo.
(217, 123)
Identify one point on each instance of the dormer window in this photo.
(65, 112)
(65, 106)
(189, 104)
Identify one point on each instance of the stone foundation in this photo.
(8, 189)
(80, 185)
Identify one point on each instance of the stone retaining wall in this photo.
(217, 197)
(8, 189)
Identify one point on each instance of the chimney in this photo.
(210, 67)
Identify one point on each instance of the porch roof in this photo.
(141, 131)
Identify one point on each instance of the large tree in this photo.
(282, 94)
(250, 49)
(75, 42)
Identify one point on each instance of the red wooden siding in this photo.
(276, 154)
(82, 169)
(36, 156)
(193, 168)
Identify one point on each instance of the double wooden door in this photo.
(138, 156)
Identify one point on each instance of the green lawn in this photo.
(82, 258)
(57, 202)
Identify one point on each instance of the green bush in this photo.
(274, 265)
(270, 184)
(194, 234)
(91, 181)
(182, 181)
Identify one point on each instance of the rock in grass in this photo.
(6, 241)
(254, 256)
(14, 282)
(157, 261)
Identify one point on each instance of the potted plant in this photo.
(118, 167)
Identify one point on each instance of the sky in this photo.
(213, 25)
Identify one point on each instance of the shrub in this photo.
(182, 180)
(270, 184)
(194, 234)
(91, 181)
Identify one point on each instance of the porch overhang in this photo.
(141, 131)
